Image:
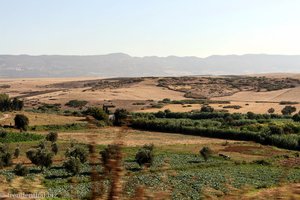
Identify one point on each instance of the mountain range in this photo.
(123, 65)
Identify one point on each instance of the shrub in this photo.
(42, 144)
(76, 103)
(111, 152)
(21, 170)
(288, 102)
(166, 100)
(296, 118)
(49, 108)
(21, 122)
(120, 117)
(17, 152)
(149, 147)
(160, 114)
(288, 110)
(17, 104)
(72, 165)
(40, 157)
(52, 137)
(251, 115)
(271, 110)
(157, 105)
(261, 162)
(3, 133)
(277, 130)
(97, 113)
(144, 157)
(7, 104)
(207, 109)
(233, 106)
(54, 148)
(206, 152)
(77, 152)
(6, 159)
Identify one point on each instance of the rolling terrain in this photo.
(123, 65)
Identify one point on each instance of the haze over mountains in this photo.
(123, 65)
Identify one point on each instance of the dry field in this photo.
(42, 119)
(131, 137)
(45, 90)
(38, 90)
(238, 150)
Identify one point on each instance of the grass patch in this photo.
(59, 127)
(20, 137)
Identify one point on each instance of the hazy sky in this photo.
(150, 27)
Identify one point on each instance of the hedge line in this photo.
(290, 141)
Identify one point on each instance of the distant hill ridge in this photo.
(123, 65)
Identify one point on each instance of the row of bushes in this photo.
(210, 115)
(290, 141)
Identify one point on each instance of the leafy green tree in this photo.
(21, 122)
(40, 157)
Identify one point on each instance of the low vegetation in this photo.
(76, 103)
(9, 104)
(264, 129)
